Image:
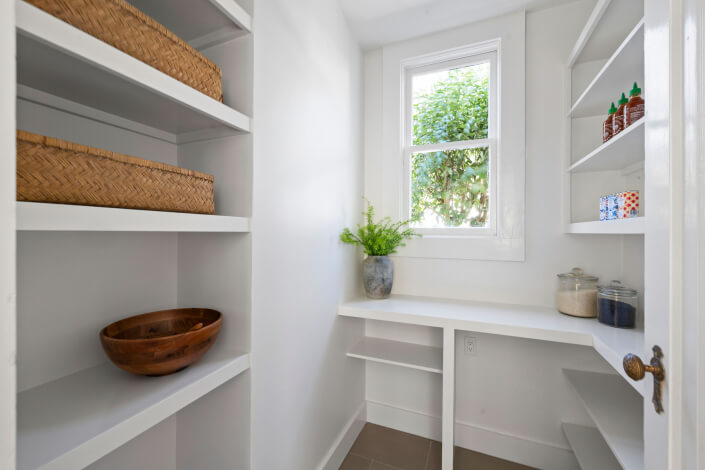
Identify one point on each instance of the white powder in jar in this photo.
(579, 303)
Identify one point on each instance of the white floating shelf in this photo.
(521, 321)
(39, 216)
(414, 356)
(74, 421)
(55, 58)
(590, 449)
(617, 411)
(622, 151)
(617, 76)
(633, 226)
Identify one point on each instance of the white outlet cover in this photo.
(470, 345)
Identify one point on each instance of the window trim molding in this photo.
(486, 52)
(387, 191)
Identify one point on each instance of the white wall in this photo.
(307, 187)
(498, 390)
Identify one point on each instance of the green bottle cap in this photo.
(635, 90)
(623, 100)
(613, 109)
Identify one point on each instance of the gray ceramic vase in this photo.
(378, 276)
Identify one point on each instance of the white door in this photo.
(7, 235)
(674, 242)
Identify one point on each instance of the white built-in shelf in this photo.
(521, 321)
(39, 216)
(74, 421)
(617, 411)
(414, 356)
(201, 23)
(623, 151)
(633, 226)
(590, 449)
(57, 59)
(622, 69)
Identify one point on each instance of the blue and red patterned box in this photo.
(623, 205)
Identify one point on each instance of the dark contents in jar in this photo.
(616, 313)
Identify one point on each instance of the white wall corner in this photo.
(343, 443)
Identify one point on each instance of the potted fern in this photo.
(378, 240)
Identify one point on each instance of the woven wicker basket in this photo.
(53, 170)
(124, 27)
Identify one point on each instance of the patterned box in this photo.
(612, 207)
(628, 204)
(603, 208)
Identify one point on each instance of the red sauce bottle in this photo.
(607, 126)
(635, 107)
(618, 125)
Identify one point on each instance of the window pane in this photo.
(450, 189)
(450, 105)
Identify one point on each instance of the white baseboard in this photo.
(487, 441)
(342, 444)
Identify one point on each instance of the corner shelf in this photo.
(413, 356)
(617, 412)
(39, 216)
(590, 449)
(56, 58)
(620, 152)
(633, 226)
(617, 74)
(74, 421)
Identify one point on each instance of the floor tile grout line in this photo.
(385, 464)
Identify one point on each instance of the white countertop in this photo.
(521, 321)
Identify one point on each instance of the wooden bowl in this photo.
(161, 343)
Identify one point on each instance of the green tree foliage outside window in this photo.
(453, 185)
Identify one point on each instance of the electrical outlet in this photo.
(470, 346)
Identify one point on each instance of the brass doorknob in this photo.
(636, 370)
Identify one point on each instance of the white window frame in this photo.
(463, 57)
(385, 173)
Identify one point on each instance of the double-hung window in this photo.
(450, 144)
(445, 139)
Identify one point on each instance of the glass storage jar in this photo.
(577, 294)
(617, 305)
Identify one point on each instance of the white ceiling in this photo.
(380, 22)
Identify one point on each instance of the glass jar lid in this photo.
(578, 275)
(616, 289)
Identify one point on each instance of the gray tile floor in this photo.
(380, 448)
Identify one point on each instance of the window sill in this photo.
(480, 248)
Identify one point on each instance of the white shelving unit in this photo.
(606, 60)
(590, 449)
(71, 422)
(413, 356)
(37, 216)
(540, 323)
(617, 412)
(80, 268)
(58, 59)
